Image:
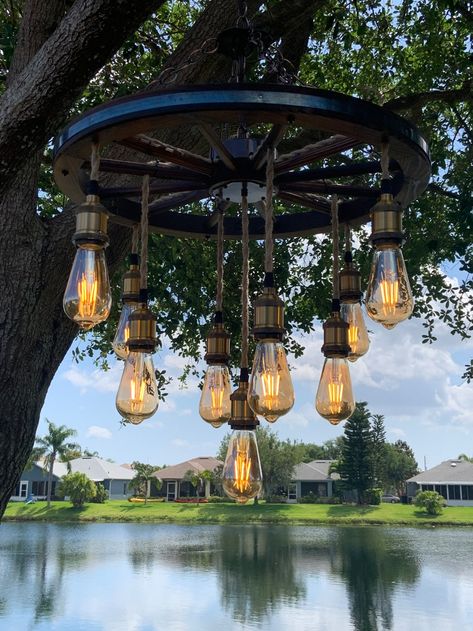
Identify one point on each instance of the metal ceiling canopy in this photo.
(302, 181)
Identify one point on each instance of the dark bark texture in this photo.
(60, 47)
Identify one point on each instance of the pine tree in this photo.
(356, 467)
(378, 448)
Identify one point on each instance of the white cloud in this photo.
(397, 432)
(100, 380)
(179, 442)
(96, 431)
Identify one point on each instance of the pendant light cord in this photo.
(245, 269)
(336, 253)
(347, 238)
(268, 215)
(135, 238)
(144, 232)
(220, 235)
(385, 161)
(95, 162)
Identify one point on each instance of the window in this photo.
(292, 491)
(467, 492)
(442, 489)
(454, 491)
(124, 488)
(322, 490)
(427, 487)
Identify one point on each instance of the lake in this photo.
(145, 577)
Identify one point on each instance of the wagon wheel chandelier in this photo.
(254, 153)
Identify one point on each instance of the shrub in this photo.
(310, 498)
(276, 499)
(431, 501)
(218, 499)
(373, 496)
(101, 494)
(78, 488)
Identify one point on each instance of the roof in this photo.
(98, 469)
(313, 471)
(197, 465)
(458, 471)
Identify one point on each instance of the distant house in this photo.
(114, 477)
(452, 478)
(312, 478)
(175, 487)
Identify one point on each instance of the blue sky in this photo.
(417, 387)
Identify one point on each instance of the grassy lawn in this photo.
(117, 510)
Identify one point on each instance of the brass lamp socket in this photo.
(218, 345)
(335, 337)
(91, 224)
(268, 315)
(132, 281)
(350, 284)
(142, 330)
(243, 416)
(386, 221)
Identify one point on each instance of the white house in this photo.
(312, 478)
(453, 479)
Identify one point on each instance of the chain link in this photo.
(170, 75)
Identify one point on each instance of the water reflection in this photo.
(259, 577)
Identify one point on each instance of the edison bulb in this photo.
(123, 330)
(137, 396)
(242, 476)
(334, 400)
(389, 297)
(271, 393)
(215, 405)
(88, 299)
(357, 334)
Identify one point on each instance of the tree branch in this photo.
(419, 99)
(39, 96)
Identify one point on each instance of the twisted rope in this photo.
(385, 161)
(336, 254)
(245, 270)
(220, 235)
(144, 232)
(135, 237)
(268, 215)
(95, 162)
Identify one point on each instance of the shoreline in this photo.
(118, 511)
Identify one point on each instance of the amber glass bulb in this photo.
(389, 297)
(357, 334)
(242, 476)
(334, 400)
(271, 393)
(123, 330)
(215, 405)
(137, 396)
(88, 299)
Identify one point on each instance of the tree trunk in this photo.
(47, 75)
(50, 478)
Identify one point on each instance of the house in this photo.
(312, 477)
(176, 487)
(452, 478)
(114, 478)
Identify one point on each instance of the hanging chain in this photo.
(95, 162)
(245, 271)
(242, 21)
(385, 161)
(335, 245)
(347, 238)
(268, 215)
(170, 75)
(144, 232)
(220, 235)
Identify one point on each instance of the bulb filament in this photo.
(389, 294)
(335, 393)
(353, 337)
(270, 384)
(217, 393)
(87, 289)
(242, 472)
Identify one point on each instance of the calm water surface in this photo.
(134, 577)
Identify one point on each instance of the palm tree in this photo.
(53, 446)
(144, 478)
(465, 458)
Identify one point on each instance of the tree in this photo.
(57, 58)
(465, 458)
(278, 459)
(144, 478)
(400, 465)
(78, 488)
(378, 448)
(356, 464)
(54, 446)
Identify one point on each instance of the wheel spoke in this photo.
(309, 153)
(162, 170)
(167, 186)
(273, 138)
(173, 201)
(308, 202)
(168, 153)
(216, 143)
(344, 170)
(330, 188)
